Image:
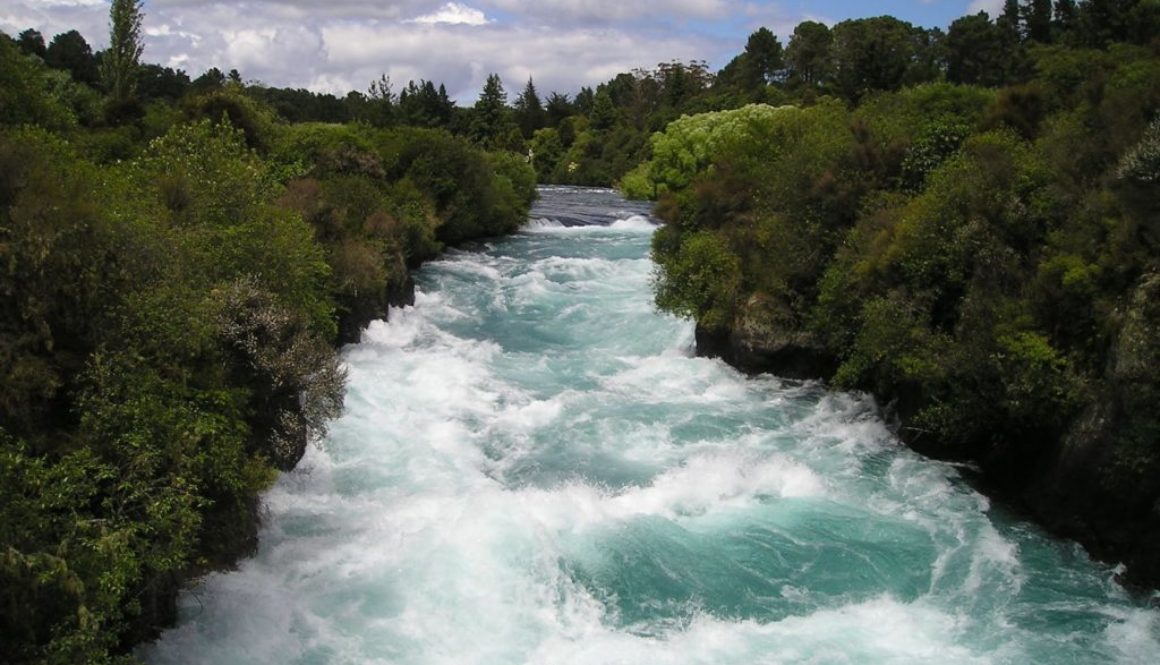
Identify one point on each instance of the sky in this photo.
(342, 45)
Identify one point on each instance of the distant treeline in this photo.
(596, 135)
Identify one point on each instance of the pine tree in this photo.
(380, 108)
(763, 60)
(808, 54)
(529, 110)
(1037, 20)
(1008, 22)
(603, 111)
(1065, 18)
(491, 121)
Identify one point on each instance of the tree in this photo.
(558, 108)
(529, 111)
(930, 56)
(975, 53)
(70, 51)
(808, 54)
(25, 99)
(871, 54)
(763, 59)
(1105, 21)
(1037, 20)
(1066, 18)
(157, 82)
(380, 105)
(491, 121)
(120, 65)
(603, 111)
(1008, 23)
(32, 42)
(421, 105)
(584, 100)
(212, 79)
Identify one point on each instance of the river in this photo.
(533, 467)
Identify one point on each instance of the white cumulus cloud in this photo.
(453, 13)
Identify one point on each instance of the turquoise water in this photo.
(533, 468)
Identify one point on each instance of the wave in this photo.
(630, 224)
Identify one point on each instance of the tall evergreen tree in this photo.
(763, 60)
(1066, 17)
(558, 108)
(603, 111)
(585, 100)
(1009, 23)
(491, 117)
(1104, 21)
(1037, 20)
(380, 106)
(421, 105)
(120, 64)
(529, 110)
(808, 53)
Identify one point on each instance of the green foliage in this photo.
(968, 254)
(699, 280)
(872, 54)
(930, 149)
(1142, 162)
(120, 62)
(492, 120)
(808, 54)
(70, 52)
(689, 145)
(230, 105)
(167, 322)
(474, 195)
(59, 273)
(26, 91)
(638, 183)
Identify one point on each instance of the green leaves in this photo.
(700, 280)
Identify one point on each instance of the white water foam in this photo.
(631, 224)
(603, 497)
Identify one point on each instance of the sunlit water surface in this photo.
(533, 468)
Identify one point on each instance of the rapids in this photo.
(533, 467)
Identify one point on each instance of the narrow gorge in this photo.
(535, 467)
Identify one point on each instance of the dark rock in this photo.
(1102, 486)
(356, 316)
(765, 338)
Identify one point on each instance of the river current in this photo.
(534, 468)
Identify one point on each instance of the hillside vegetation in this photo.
(172, 288)
(985, 260)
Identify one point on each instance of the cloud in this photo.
(992, 7)
(615, 11)
(453, 13)
(342, 45)
(462, 56)
(345, 44)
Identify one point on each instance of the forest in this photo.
(962, 222)
(979, 251)
(178, 264)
